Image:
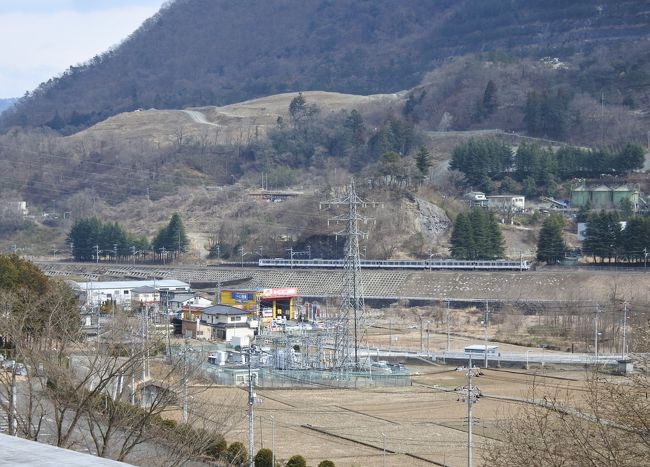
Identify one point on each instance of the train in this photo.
(426, 264)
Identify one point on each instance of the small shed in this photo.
(624, 366)
(480, 348)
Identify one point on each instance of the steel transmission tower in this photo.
(351, 331)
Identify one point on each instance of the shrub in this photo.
(215, 446)
(326, 463)
(236, 454)
(296, 461)
(264, 458)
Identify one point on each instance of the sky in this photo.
(42, 38)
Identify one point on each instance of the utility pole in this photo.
(469, 412)
(115, 251)
(185, 397)
(242, 253)
(251, 402)
(487, 319)
(384, 444)
(96, 254)
(421, 332)
(596, 332)
(352, 294)
(290, 250)
(272, 441)
(169, 345)
(144, 358)
(624, 350)
(447, 319)
(163, 252)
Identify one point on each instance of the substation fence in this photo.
(296, 378)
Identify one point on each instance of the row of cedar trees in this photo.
(486, 160)
(477, 236)
(90, 237)
(606, 238)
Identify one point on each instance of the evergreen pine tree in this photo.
(550, 245)
(423, 162)
(490, 101)
(462, 243)
(496, 243)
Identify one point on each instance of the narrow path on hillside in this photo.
(198, 117)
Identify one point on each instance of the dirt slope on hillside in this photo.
(229, 124)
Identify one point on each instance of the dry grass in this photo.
(426, 419)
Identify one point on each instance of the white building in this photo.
(228, 322)
(507, 202)
(120, 292)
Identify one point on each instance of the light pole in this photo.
(527, 353)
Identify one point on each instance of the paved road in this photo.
(510, 357)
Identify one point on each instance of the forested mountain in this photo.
(6, 103)
(214, 52)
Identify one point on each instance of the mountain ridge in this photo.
(200, 52)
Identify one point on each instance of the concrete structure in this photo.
(18, 208)
(275, 196)
(507, 202)
(604, 197)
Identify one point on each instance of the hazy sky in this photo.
(42, 38)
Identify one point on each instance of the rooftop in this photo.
(161, 284)
(224, 310)
(19, 451)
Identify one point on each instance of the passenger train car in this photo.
(437, 264)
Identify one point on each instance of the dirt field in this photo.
(423, 424)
